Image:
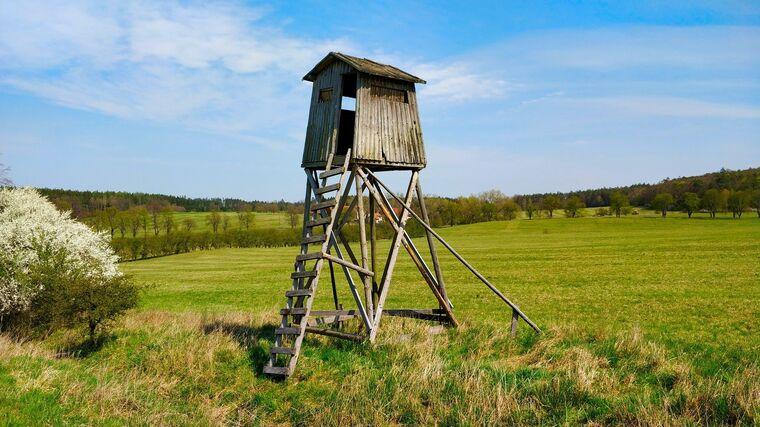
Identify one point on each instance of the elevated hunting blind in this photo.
(363, 120)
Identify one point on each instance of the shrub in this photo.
(602, 212)
(45, 256)
(73, 298)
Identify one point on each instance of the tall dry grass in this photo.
(163, 368)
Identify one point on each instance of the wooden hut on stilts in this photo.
(363, 121)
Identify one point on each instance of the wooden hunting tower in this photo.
(363, 120)
(383, 129)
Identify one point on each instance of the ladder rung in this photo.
(331, 172)
(302, 274)
(323, 205)
(321, 221)
(298, 311)
(314, 239)
(277, 370)
(287, 331)
(327, 188)
(298, 293)
(306, 257)
(282, 350)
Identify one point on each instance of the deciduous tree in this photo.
(550, 204)
(737, 202)
(573, 207)
(214, 218)
(755, 201)
(713, 201)
(691, 203)
(618, 201)
(529, 208)
(662, 202)
(508, 208)
(245, 216)
(293, 214)
(167, 220)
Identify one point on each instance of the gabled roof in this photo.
(363, 65)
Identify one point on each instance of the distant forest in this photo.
(88, 203)
(642, 195)
(143, 225)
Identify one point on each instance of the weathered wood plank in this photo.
(335, 334)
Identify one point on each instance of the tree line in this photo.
(83, 204)
(643, 195)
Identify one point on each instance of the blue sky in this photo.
(205, 99)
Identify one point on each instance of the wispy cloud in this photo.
(671, 107)
(460, 81)
(214, 67)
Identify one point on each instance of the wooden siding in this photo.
(388, 130)
(322, 128)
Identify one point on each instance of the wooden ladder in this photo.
(324, 213)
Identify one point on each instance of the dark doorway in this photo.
(347, 114)
(346, 131)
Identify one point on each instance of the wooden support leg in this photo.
(373, 249)
(464, 262)
(391, 262)
(412, 250)
(431, 245)
(515, 319)
(367, 280)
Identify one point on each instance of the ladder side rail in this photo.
(315, 280)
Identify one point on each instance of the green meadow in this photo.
(261, 220)
(646, 320)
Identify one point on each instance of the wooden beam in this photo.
(373, 247)
(437, 315)
(334, 334)
(391, 263)
(412, 250)
(431, 245)
(350, 265)
(459, 257)
(366, 279)
(352, 285)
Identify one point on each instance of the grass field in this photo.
(647, 320)
(261, 220)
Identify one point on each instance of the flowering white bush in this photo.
(30, 227)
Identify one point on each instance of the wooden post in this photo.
(363, 246)
(515, 319)
(373, 248)
(391, 262)
(334, 288)
(410, 248)
(431, 245)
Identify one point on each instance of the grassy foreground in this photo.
(647, 320)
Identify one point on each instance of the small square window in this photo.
(325, 95)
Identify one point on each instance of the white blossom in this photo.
(29, 222)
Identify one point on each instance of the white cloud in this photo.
(460, 82)
(673, 107)
(214, 67)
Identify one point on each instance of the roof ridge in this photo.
(364, 65)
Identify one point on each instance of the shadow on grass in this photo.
(80, 350)
(249, 337)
